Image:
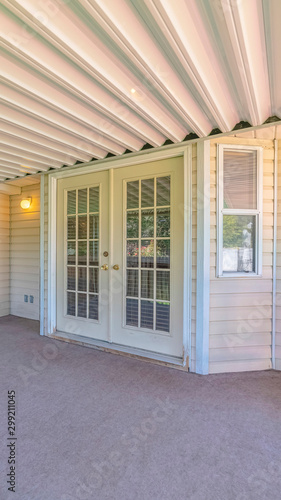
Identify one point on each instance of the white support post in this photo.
(52, 253)
(42, 258)
(203, 258)
(274, 264)
(187, 265)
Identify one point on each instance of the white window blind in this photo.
(240, 179)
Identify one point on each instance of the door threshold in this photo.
(132, 352)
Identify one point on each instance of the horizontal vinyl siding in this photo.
(24, 253)
(4, 255)
(194, 258)
(278, 268)
(241, 308)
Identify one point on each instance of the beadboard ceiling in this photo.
(81, 80)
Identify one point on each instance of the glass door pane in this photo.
(147, 248)
(82, 283)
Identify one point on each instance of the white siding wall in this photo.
(24, 253)
(278, 266)
(4, 254)
(241, 308)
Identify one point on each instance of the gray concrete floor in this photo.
(92, 425)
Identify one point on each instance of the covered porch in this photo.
(90, 88)
(140, 190)
(229, 323)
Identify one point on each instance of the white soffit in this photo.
(84, 79)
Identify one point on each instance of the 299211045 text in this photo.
(11, 445)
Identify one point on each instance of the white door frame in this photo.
(108, 164)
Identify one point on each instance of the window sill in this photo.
(240, 275)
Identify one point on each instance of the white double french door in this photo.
(120, 256)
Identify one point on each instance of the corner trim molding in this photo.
(203, 258)
(274, 263)
(42, 253)
(52, 250)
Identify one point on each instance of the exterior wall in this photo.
(4, 254)
(24, 253)
(278, 267)
(241, 308)
(194, 257)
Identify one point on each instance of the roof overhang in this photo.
(92, 79)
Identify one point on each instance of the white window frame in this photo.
(223, 211)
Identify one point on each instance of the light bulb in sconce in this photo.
(25, 203)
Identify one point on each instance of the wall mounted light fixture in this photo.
(25, 203)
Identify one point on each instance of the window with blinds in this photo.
(239, 210)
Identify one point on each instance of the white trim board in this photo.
(121, 161)
(187, 264)
(42, 256)
(274, 263)
(203, 258)
(52, 255)
(183, 150)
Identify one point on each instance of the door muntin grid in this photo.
(147, 251)
(82, 281)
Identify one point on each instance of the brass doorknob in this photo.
(104, 267)
(116, 267)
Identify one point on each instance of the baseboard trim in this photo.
(143, 355)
